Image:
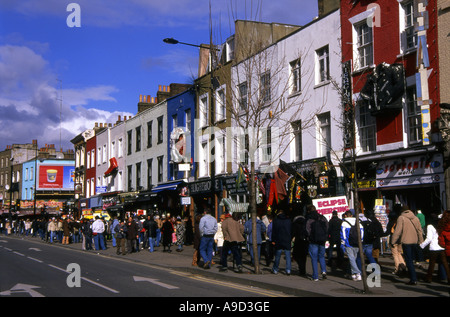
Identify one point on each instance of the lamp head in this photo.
(170, 41)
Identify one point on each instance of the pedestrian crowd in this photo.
(335, 242)
(412, 239)
(134, 234)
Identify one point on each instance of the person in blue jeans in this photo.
(208, 228)
(408, 232)
(260, 230)
(98, 228)
(281, 240)
(317, 231)
(151, 228)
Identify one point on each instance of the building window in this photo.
(323, 65)
(243, 96)
(366, 128)
(138, 138)
(149, 173)
(204, 160)
(364, 45)
(138, 176)
(266, 145)
(120, 181)
(408, 36)
(113, 149)
(220, 154)
(88, 160)
(174, 121)
(220, 105)
(264, 88)
(130, 177)
(160, 168)
(242, 146)
(414, 119)
(160, 130)
(297, 131)
(130, 140)
(149, 133)
(105, 156)
(93, 158)
(188, 119)
(324, 132)
(88, 189)
(296, 83)
(203, 111)
(119, 148)
(92, 186)
(99, 156)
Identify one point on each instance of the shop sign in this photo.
(100, 189)
(231, 186)
(185, 200)
(413, 170)
(325, 206)
(204, 187)
(367, 184)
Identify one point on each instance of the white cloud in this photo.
(29, 101)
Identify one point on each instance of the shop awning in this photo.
(168, 186)
(234, 206)
(112, 166)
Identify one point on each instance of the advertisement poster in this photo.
(56, 177)
(325, 206)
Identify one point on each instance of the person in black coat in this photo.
(334, 238)
(167, 230)
(132, 235)
(150, 230)
(281, 239)
(300, 248)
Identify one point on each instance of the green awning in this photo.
(233, 206)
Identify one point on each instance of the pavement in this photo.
(335, 285)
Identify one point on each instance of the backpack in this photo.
(319, 230)
(370, 232)
(352, 235)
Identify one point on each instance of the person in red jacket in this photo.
(443, 229)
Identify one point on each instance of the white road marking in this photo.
(88, 280)
(153, 281)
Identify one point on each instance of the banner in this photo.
(325, 206)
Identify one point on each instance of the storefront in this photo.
(416, 181)
(203, 194)
(164, 198)
(112, 204)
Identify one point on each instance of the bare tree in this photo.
(263, 108)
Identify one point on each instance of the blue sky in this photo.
(59, 80)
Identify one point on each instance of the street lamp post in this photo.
(11, 186)
(35, 177)
(211, 87)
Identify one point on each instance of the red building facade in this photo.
(390, 49)
(91, 164)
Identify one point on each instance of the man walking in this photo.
(317, 230)
(208, 228)
(233, 236)
(349, 243)
(281, 239)
(408, 232)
